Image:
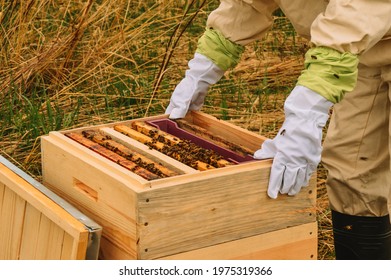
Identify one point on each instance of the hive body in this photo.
(208, 213)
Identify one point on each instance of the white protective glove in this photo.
(190, 93)
(297, 147)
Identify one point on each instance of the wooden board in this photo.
(226, 130)
(101, 191)
(208, 209)
(295, 243)
(35, 226)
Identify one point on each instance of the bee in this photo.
(348, 227)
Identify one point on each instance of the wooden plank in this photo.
(294, 243)
(114, 204)
(68, 248)
(136, 135)
(130, 154)
(114, 251)
(69, 146)
(2, 228)
(112, 124)
(30, 234)
(6, 223)
(43, 237)
(227, 130)
(216, 209)
(146, 151)
(50, 241)
(55, 242)
(151, 131)
(17, 227)
(2, 189)
(163, 148)
(32, 224)
(112, 156)
(207, 135)
(40, 201)
(172, 140)
(11, 222)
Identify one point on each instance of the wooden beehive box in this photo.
(219, 213)
(36, 224)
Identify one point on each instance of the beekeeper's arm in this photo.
(339, 36)
(230, 27)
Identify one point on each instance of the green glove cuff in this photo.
(219, 49)
(329, 72)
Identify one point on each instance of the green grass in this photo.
(67, 64)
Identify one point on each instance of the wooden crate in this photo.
(36, 224)
(222, 213)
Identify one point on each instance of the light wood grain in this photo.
(223, 129)
(33, 226)
(218, 209)
(294, 243)
(11, 221)
(114, 199)
(29, 247)
(160, 146)
(132, 166)
(148, 152)
(218, 140)
(130, 154)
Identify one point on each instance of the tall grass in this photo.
(71, 63)
(74, 63)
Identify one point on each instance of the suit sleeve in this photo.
(234, 24)
(352, 25)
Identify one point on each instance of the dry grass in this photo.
(74, 63)
(68, 63)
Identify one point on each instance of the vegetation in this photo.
(68, 63)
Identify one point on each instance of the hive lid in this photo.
(93, 228)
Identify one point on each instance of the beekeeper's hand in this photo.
(190, 93)
(297, 147)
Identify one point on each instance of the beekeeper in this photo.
(348, 65)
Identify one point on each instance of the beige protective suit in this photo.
(357, 145)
